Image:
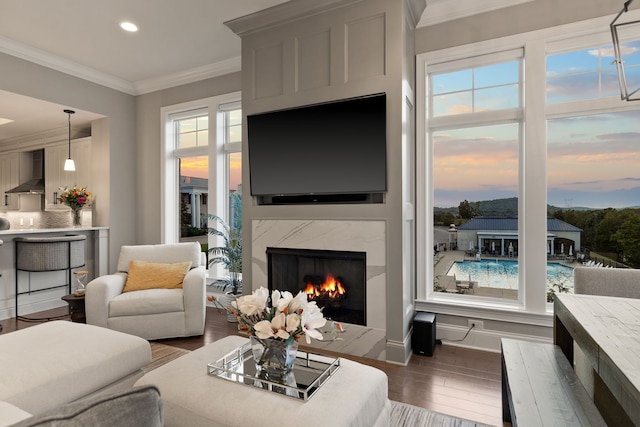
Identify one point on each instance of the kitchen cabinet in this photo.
(54, 157)
(9, 178)
(55, 175)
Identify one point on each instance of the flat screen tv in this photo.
(332, 152)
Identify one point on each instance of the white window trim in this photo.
(531, 307)
(217, 201)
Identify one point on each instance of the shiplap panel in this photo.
(268, 70)
(366, 52)
(313, 60)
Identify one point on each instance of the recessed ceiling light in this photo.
(5, 121)
(129, 26)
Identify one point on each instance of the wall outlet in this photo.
(476, 324)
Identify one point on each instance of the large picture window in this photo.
(474, 137)
(593, 166)
(203, 167)
(512, 177)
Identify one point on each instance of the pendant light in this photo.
(68, 164)
(626, 93)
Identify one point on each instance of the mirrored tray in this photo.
(309, 373)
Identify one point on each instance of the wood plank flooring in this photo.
(454, 381)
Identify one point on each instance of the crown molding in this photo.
(439, 11)
(37, 56)
(283, 13)
(188, 76)
(28, 53)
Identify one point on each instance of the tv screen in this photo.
(332, 148)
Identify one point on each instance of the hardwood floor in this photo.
(455, 381)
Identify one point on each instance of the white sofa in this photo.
(48, 365)
(614, 282)
(151, 313)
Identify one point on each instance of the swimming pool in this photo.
(504, 274)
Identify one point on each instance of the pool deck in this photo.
(443, 260)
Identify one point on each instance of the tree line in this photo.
(614, 233)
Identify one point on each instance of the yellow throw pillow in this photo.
(155, 275)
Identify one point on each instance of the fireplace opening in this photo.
(336, 280)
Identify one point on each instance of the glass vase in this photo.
(76, 216)
(274, 358)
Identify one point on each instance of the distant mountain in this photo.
(560, 198)
(508, 207)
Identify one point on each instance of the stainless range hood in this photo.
(33, 164)
(33, 186)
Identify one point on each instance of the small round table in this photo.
(76, 307)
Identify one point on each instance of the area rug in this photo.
(402, 414)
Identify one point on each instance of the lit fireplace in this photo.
(330, 291)
(336, 280)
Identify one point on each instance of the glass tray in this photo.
(309, 373)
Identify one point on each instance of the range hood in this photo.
(31, 165)
(33, 186)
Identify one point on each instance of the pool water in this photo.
(504, 274)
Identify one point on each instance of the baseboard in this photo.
(26, 309)
(479, 339)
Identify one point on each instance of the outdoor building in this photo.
(194, 192)
(499, 237)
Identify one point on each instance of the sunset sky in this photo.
(593, 161)
(198, 167)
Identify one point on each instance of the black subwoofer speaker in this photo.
(423, 339)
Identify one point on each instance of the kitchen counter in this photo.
(20, 232)
(96, 263)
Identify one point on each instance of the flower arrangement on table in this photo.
(280, 316)
(75, 197)
(275, 323)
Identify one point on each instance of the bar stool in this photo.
(41, 254)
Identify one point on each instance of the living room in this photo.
(133, 128)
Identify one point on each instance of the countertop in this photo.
(19, 232)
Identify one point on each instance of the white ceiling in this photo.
(177, 40)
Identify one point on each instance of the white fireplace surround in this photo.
(361, 236)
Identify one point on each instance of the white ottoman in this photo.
(356, 395)
(47, 365)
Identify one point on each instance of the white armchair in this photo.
(151, 313)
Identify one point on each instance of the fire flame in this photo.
(331, 288)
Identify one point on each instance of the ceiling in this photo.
(177, 40)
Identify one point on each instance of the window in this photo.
(203, 167)
(192, 131)
(592, 164)
(488, 88)
(232, 124)
(583, 74)
(474, 134)
(563, 161)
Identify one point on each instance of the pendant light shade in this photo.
(69, 165)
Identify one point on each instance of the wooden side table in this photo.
(76, 307)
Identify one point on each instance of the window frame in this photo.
(513, 115)
(531, 307)
(216, 150)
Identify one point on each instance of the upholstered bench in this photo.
(356, 395)
(53, 363)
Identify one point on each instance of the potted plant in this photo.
(229, 254)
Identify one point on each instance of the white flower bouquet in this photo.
(280, 315)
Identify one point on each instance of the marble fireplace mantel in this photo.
(344, 235)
